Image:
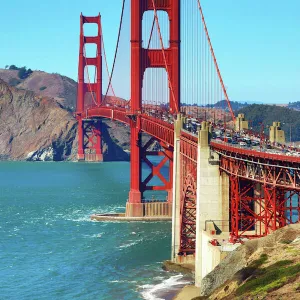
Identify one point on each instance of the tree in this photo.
(6, 66)
(13, 67)
(22, 73)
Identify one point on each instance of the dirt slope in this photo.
(56, 86)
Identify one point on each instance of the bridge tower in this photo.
(141, 59)
(89, 94)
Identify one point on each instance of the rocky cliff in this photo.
(37, 127)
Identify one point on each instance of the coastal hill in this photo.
(37, 123)
(56, 86)
(31, 123)
(267, 114)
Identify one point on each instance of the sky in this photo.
(257, 42)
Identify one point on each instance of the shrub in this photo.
(14, 81)
(13, 67)
(24, 73)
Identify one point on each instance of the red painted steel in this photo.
(155, 170)
(89, 133)
(188, 184)
(140, 60)
(264, 187)
(262, 190)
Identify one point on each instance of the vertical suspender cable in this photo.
(116, 52)
(164, 55)
(215, 61)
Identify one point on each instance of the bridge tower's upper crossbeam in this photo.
(152, 58)
(93, 88)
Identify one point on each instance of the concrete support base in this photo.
(152, 209)
(134, 210)
(212, 201)
(92, 157)
(123, 218)
(183, 260)
(80, 157)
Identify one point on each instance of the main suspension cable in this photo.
(215, 61)
(116, 52)
(164, 55)
(105, 59)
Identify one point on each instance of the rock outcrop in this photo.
(39, 128)
(34, 127)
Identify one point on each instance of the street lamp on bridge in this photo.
(290, 125)
(261, 134)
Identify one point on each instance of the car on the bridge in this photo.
(243, 144)
(255, 143)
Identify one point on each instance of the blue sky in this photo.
(257, 43)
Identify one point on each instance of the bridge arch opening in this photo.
(150, 33)
(90, 74)
(90, 50)
(155, 102)
(90, 29)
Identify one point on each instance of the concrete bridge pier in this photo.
(212, 204)
(176, 191)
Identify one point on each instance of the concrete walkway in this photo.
(122, 217)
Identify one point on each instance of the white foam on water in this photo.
(152, 291)
(121, 281)
(96, 235)
(132, 243)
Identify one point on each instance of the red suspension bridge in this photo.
(164, 76)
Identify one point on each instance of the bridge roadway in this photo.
(164, 131)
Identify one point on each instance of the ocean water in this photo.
(50, 249)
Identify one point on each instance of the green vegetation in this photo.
(24, 73)
(234, 105)
(265, 280)
(13, 67)
(14, 81)
(42, 88)
(294, 105)
(257, 263)
(248, 271)
(286, 242)
(267, 114)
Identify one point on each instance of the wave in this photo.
(96, 235)
(83, 215)
(156, 291)
(132, 243)
(122, 281)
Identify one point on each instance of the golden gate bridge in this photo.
(174, 78)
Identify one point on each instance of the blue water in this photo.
(49, 248)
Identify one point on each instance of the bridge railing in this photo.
(231, 150)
